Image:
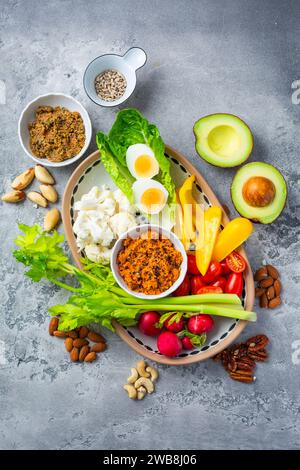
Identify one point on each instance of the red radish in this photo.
(176, 326)
(196, 284)
(192, 265)
(169, 344)
(184, 288)
(199, 324)
(187, 343)
(147, 322)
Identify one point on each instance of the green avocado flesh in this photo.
(259, 172)
(223, 139)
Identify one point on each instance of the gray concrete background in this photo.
(204, 56)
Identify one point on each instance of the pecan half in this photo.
(256, 343)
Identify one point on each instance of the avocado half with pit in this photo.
(223, 139)
(259, 192)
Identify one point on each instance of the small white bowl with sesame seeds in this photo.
(110, 79)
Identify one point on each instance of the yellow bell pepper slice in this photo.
(207, 237)
(233, 235)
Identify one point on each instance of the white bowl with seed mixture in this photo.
(110, 79)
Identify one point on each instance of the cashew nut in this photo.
(141, 392)
(133, 377)
(130, 389)
(141, 368)
(143, 381)
(153, 373)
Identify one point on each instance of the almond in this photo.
(90, 357)
(74, 355)
(53, 325)
(23, 180)
(69, 344)
(95, 337)
(49, 192)
(13, 196)
(83, 332)
(73, 334)
(51, 219)
(272, 271)
(261, 273)
(270, 293)
(79, 342)
(263, 301)
(277, 287)
(267, 282)
(98, 347)
(84, 351)
(275, 302)
(43, 175)
(37, 198)
(259, 291)
(60, 334)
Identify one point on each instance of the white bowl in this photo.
(53, 99)
(136, 232)
(127, 65)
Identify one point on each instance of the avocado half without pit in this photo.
(223, 139)
(259, 192)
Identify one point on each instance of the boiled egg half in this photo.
(150, 196)
(141, 161)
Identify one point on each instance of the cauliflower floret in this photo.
(97, 254)
(123, 203)
(122, 222)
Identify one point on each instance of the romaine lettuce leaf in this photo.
(115, 168)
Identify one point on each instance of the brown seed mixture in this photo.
(110, 85)
(56, 134)
(78, 342)
(268, 286)
(240, 359)
(149, 264)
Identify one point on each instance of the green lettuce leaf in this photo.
(117, 170)
(130, 128)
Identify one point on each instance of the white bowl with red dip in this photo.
(162, 269)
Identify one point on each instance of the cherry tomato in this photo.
(235, 284)
(210, 290)
(235, 262)
(184, 288)
(192, 265)
(196, 284)
(213, 272)
(220, 282)
(225, 269)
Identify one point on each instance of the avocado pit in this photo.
(259, 191)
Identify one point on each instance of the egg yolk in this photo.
(143, 165)
(152, 197)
